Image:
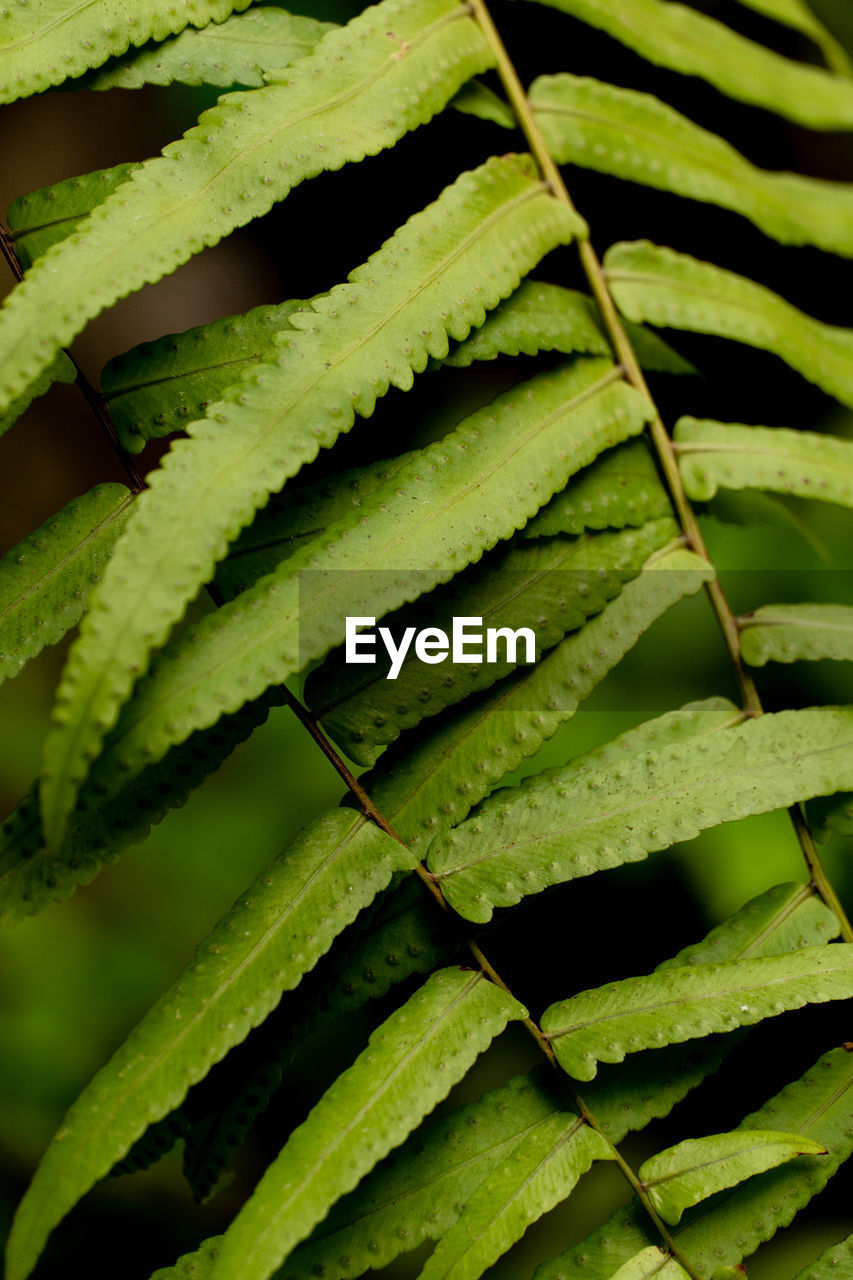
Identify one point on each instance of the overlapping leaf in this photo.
(788, 632)
(621, 488)
(50, 214)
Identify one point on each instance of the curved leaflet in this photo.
(789, 632)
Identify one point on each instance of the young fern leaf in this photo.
(790, 632)
(621, 488)
(552, 587)
(462, 494)
(637, 137)
(410, 1064)
(672, 35)
(570, 826)
(680, 1004)
(45, 42)
(729, 1230)
(31, 877)
(673, 289)
(244, 154)
(432, 277)
(50, 214)
(714, 455)
(690, 1172)
(273, 936)
(797, 15)
(429, 786)
(159, 387)
(239, 51)
(45, 580)
(835, 1264)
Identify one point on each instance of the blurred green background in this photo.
(76, 979)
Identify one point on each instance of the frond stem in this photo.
(661, 440)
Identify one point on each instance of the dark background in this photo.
(76, 979)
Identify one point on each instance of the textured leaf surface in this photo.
(620, 488)
(542, 1171)
(441, 511)
(159, 387)
(550, 587)
(818, 1106)
(679, 1004)
(45, 580)
(788, 632)
(429, 785)
(50, 214)
(714, 455)
(272, 936)
(44, 42)
(574, 826)
(31, 877)
(209, 486)
(636, 136)
(672, 289)
(238, 51)
(672, 35)
(835, 1264)
(409, 1065)
(693, 1170)
(244, 154)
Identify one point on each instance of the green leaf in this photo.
(244, 154)
(209, 485)
(688, 1173)
(714, 455)
(31, 877)
(817, 1107)
(620, 488)
(48, 215)
(567, 825)
(671, 35)
(45, 580)
(271, 937)
(238, 51)
(552, 587)
(541, 1171)
(61, 370)
(652, 1262)
(546, 317)
(410, 1064)
(464, 493)
(672, 289)
(44, 42)
(789, 632)
(679, 1004)
(798, 15)
(159, 387)
(835, 1264)
(477, 99)
(637, 137)
(430, 784)
(197, 1265)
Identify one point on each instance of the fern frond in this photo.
(272, 936)
(553, 587)
(471, 489)
(239, 51)
(159, 387)
(432, 277)
(672, 35)
(732, 1228)
(835, 1264)
(410, 1065)
(690, 1172)
(45, 580)
(245, 153)
(637, 137)
(679, 1004)
(790, 632)
(570, 826)
(45, 42)
(46, 216)
(620, 488)
(674, 290)
(797, 15)
(733, 456)
(428, 786)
